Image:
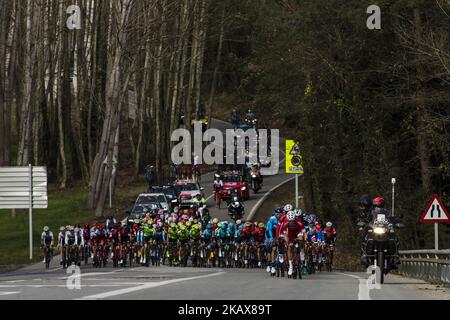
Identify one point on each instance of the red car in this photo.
(234, 181)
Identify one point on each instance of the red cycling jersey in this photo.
(329, 232)
(248, 232)
(290, 229)
(259, 234)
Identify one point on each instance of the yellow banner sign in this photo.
(294, 159)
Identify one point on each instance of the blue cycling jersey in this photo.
(319, 236)
(222, 233)
(271, 228)
(207, 234)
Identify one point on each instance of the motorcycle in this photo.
(380, 245)
(236, 210)
(255, 182)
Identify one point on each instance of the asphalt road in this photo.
(34, 282)
(166, 283)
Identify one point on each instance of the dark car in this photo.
(170, 192)
(147, 201)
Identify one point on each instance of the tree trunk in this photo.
(422, 122)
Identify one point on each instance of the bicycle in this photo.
(48, 253)
(296, 260)
(280, 259)
(328, 256)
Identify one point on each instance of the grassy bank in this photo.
(65, 207)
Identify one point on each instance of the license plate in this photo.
(381, 218)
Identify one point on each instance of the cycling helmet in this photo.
(247, 224)
(71, 228)
(223, 226)
(261, 225)
(379, 202)
(279, 210)
(76, 230)
(188, 224)
(46, 229)
(208, 226)
(298, 212)
(62, 228)
(215, 221)
(231, 226)
(366, 202)
(291, 216)
(238, 222)
(288, 208)
(329, 224)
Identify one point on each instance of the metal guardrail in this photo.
(429, 265)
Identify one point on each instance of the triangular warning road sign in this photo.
(295, 150)
(436, 211)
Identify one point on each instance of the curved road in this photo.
(33, 282)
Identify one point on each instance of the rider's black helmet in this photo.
(366, 203)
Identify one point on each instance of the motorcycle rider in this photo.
(217, 187)
(255, 169)
(236, 208)
(370, 210)
(250, 117)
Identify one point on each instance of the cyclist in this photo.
(62, 242)
(291, 229)
(171, 241)
(329, 233)
(47, 240)
(247, 238)
(259, 235)
(271, 229)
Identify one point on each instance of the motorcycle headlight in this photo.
(379, 230)
(253, 175)
(243, 188)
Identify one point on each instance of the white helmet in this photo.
(291, 216)
(288, 208)
(215, 221)
(62, 229)
(46, 229)
(77, 230)
(329, 224)
(298, 212)
(238, 222)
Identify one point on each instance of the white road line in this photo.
(53, 270)
(145, 286)
(9, 293)
(363, 290)
(258, 204)
(92, 274)
(15, 281)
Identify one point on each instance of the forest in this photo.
(366, 105)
